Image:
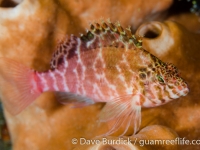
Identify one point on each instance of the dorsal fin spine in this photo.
(103, 28)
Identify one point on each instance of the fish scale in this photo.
(107, 64)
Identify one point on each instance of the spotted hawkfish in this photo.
(106, 64)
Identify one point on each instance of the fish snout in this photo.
(183, 88)
(185, 91)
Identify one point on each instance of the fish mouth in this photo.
(186, 91)
(183, 92)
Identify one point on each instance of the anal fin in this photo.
(75, 99)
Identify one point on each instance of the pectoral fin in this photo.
(120, 112)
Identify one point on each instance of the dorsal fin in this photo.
(102, 34)
(110, 34)
(66, 47)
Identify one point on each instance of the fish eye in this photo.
(160, 79)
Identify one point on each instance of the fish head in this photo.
(163, 83)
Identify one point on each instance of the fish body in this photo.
(108, 64)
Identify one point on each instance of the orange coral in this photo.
(30, 31)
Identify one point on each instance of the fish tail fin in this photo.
(16, 86)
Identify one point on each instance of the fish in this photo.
(107, 65)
